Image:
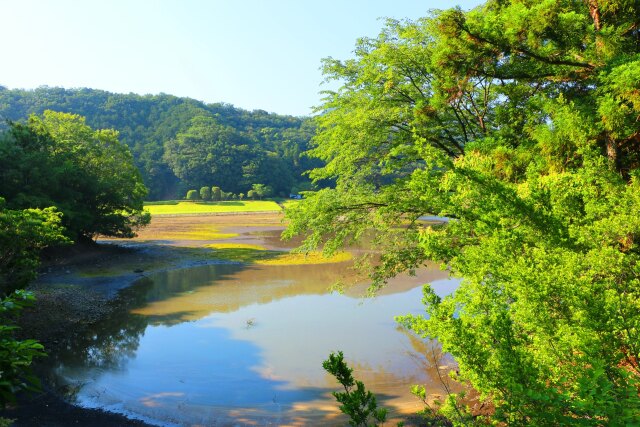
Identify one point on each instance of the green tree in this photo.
(23, 235)
(192, 195)
(261, 190)
(57, 160)
(216, 194)
(517, 120)
(205, 193)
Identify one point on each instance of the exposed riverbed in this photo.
(201, 340)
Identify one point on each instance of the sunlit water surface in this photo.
(244, 345)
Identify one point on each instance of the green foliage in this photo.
(261, 190)
(147, 123)
(16, 355)
(192, 195)
(517, 120)
(57, 160)
(251, 194)
(205, 193)
(216, 194)
(23, 234)
(356, 401)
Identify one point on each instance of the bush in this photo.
(356, 402)
(216, 194)
(205, 193)
(192, 195)
(15, 355)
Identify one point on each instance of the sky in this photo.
(250, 53)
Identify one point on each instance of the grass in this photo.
(240, 252)
(305, 259)
(255, 254)
(179, 208)
(189, 232)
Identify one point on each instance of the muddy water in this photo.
(244, 345)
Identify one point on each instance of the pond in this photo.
(232, 344)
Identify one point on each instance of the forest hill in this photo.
(180, 143)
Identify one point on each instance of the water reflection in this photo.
(234, 344)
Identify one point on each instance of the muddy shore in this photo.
(79, 286)
(61, 314)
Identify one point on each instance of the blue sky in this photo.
(250, 53)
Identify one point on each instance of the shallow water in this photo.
(244, 345)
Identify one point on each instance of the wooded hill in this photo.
(181, 143)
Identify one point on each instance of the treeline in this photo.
(180, 143)
(216, 194)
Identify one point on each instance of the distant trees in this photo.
(206, 152)
(266, 147)
(260, 190)
(216, 194)
(57, 160)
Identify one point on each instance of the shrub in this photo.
(205, 193)
(192, 195)
(356, 402)
(216, 194)
(15, 355)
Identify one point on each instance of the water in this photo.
(244, 345)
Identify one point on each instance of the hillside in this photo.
(180, 143)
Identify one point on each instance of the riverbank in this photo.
(67, 307)
(79, 286)
(84, 288)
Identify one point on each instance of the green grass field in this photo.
(183, 207)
